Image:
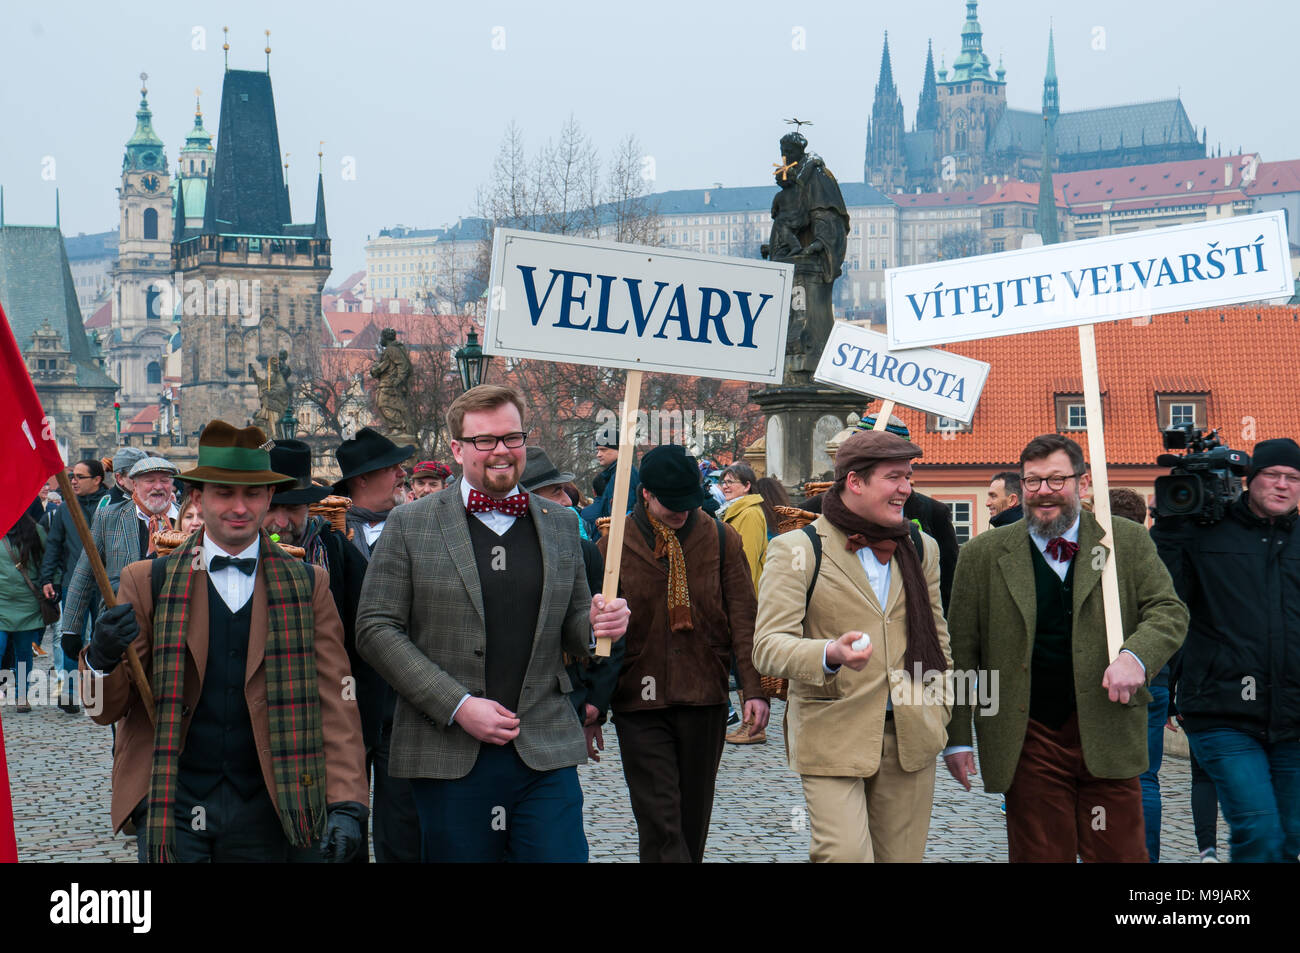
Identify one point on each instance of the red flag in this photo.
(27, 444)
(8, 844)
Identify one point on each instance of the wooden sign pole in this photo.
(883, 414)
(1100, 489)
(618, 508)
(105, 589)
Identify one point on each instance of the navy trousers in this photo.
(502, 810)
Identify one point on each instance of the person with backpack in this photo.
(691, 595)
(849, 611)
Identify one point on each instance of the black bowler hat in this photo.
(673, 476)
(293, 457)
(539, 471)
(367, 452)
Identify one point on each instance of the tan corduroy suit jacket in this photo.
(834, 724)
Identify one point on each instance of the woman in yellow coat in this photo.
(755, 520)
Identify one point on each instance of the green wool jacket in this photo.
(19, 610)
(991, 620)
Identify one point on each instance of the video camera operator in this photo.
(1236, 563)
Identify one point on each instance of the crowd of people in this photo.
(420, 677)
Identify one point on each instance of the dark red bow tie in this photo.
(1061, 549)
(514, 505)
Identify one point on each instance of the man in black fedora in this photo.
(372, 477)
(594, 677)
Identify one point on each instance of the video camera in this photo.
(1202, 482)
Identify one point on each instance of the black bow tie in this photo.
(246, 566)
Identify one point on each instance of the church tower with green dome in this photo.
(139, 329)
(972, 99)
(193, 175)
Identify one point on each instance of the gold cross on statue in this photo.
(783, 170)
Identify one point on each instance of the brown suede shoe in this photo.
(741, 736)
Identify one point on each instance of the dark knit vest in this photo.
(220, 742)
(1051, 683)
(510, 575)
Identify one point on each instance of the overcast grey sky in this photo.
(418, 94)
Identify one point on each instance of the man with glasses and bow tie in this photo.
(472, 598)
(1065, 733)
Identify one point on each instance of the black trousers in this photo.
(223, 826)
(670, 760)
(395, 820)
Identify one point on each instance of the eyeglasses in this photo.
(728, 481)
(1282, 479)
(1032, 484)
(80, 476)
(487, 442)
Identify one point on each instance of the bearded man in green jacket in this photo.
(1064, 734)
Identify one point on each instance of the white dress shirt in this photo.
(1041, 541)
(372, 533)
(494, 520)
(234, 587)
(878, 575)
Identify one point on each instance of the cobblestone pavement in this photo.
(59, 767)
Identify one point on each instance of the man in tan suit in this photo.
(864, 722)
(257, 754)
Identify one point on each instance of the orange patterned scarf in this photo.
(679, 593)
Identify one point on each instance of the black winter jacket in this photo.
(63, 546)
(1240, 664)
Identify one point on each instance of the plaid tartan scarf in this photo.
(292, 697)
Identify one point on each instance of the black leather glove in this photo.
(114, 631)
(343, 832)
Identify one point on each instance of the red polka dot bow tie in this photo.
(1061, 549)
(514, 505)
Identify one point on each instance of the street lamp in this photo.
(288, 424)
(472, 362)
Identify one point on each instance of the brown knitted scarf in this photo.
(679, 593)
(922, 635)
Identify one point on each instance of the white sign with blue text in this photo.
(1202, 265)
(558, 298)
(938, 382)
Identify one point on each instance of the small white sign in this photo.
(934, 381)
(558, 298)
(1202, 265)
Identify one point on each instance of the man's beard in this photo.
(1068, 513)
(155, 506)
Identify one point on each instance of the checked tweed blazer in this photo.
(116, 533)
(421, 625)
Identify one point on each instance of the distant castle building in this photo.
(964, 132)
(139, 328)
(261, 276)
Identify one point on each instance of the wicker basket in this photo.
(335, 509)
(816, 488)
(602, 524)
(165, 544)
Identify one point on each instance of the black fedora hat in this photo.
(539, 471)
(367, 452)
(673, 476)
(293, 457)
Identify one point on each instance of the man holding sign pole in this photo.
(1067, 737)
(472, 597)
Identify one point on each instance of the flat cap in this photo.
(862, 449)
(152, 464)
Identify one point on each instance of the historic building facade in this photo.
(250, 279)
(965, 134)
(142, 318)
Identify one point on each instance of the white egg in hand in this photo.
(861, 644)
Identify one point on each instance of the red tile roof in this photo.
(143, 421)
(1274, 177)
(102, 317)
(1244, 358)
(1190, 181)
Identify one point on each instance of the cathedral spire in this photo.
(1051, 94)
(886, 80)
(972, 62)
(883, 167)
(927, 110)
(1047, 226)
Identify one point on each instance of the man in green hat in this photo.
(255, 753)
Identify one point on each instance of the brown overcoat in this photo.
(114, 698)
(663, 668)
